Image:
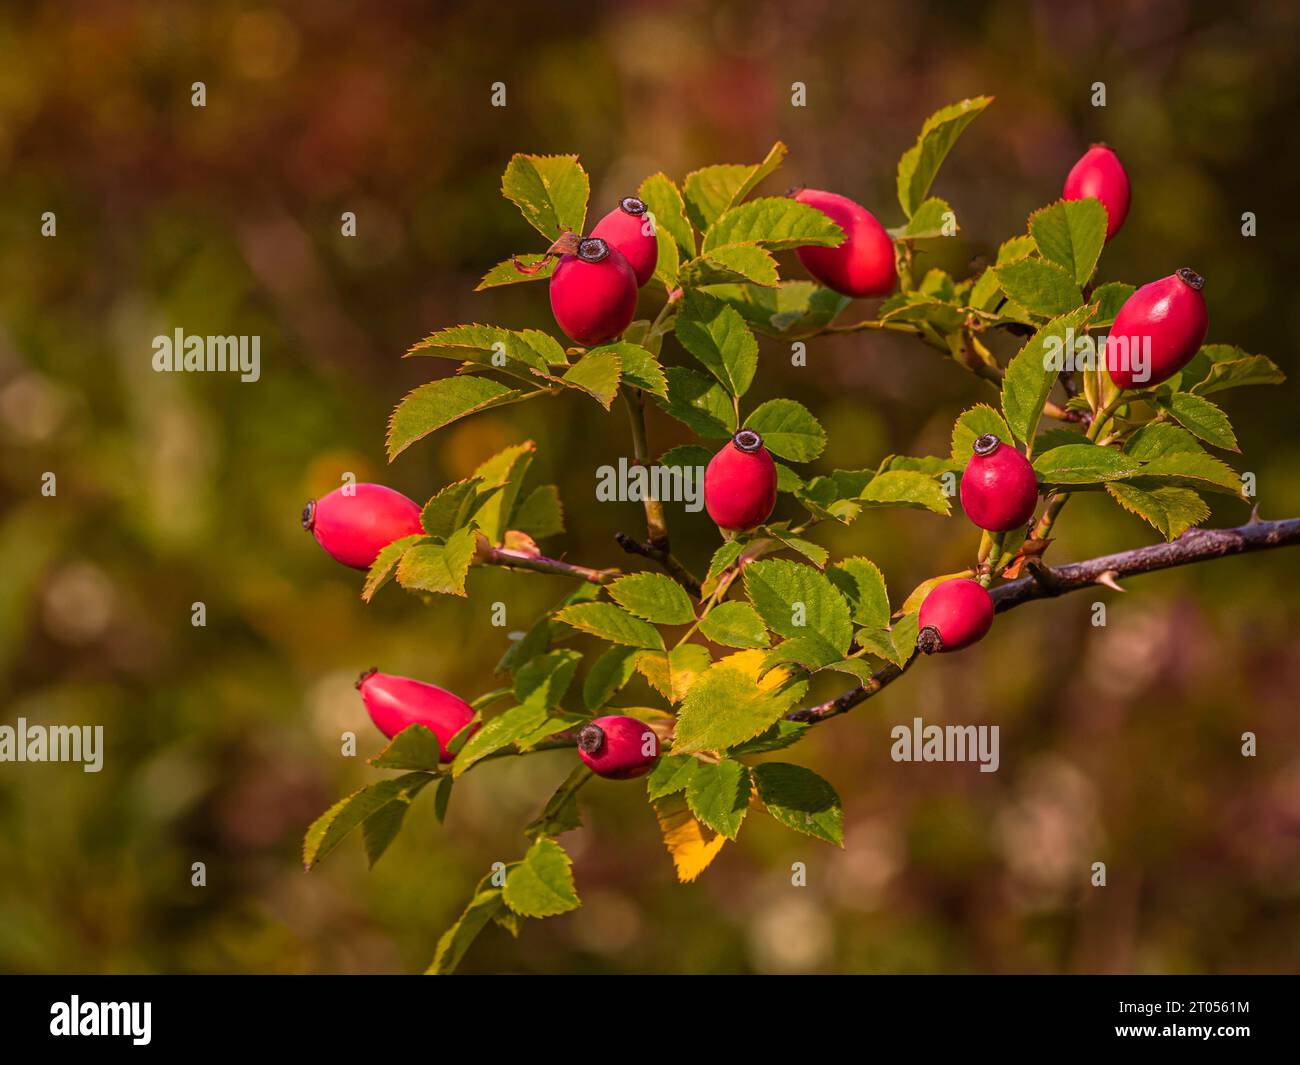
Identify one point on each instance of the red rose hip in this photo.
(1157, 331)
(740, 483)
(618, 747)
(593, 292)
(354, 523)
(1099, 175)
(999, 490)
(954, 615)
(629, 229)
(396, 702)
(863, 264)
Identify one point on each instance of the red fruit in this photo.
(355, 523)
(740, 483)
(396, 702)
(998, 489)
(955, 614)
(1157, 331)
(618, 747)
(863, 264)
(629, 229)
(1099, 175)
(593, 292)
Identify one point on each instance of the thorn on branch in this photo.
(1108, 579)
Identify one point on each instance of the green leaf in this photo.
(723, 558)
(710, 191)
(920, 163)
(550, 191)
(906, 488)
(1108, 299)
(1083, 464)
(774, 223)
(498, 733)
(929, 220)
(1159, 438)
(544, 680)
(640, 368)
(718, 795)
(454, 942)
(611, 623)
(800, 799)
(698, 403)
(506, 273)
(788, 429)
(1238, 372)
(1171, 511)
(686, 456)
(734, 625)
(660, 195)
(980, 420)
(780, 736)
(1071, 233)
(333, 826)
(1043, 287)
(438, 568)
(671, 774)
(542, 884)
(504, 472)
(541, 514)
(607, 676)
(561, 811)
(1029, 377)
(793, 308)
(716, 335)
(441, 402)
(597, 373)
(1202, 418)
(671, 674)
(814, 553)
(860, 581)
(449, 509)
(654, 598)
(415, 747)
(797, 600)
(810, 652)
(734, 263)
(385, 565)
(728, 705)
(489, 346)
(1196, 470)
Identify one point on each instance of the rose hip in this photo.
(999, 490)
(618, 747)
(863, 263)
(628, 228)
(956, 614)
(396, 702)
(354, 523)
(740, 483)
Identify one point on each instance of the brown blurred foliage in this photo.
(1119, 744)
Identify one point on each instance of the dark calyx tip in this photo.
(986, 445)
(591, 739)
(928, 640)
(592, 249)
(366, 676)
(631, 205)
(309, 515)
(1191, 278)
(747, 441)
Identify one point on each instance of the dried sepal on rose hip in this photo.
(630, 229)
(740, 483)
(1157, 331)
(593, 290)
(956, 614)
(395, 702)
(618, 747)
(999, 489)
(863, 263)
(1099, 175)
(354, 523)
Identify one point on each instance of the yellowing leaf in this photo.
(692, 845)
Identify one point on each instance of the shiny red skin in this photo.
(740, 487)
(960, 610)
(354, 528)
(1099, 175)
(632, 235)
(621, 755)
(999, 491)
(593, 302)
(863, 264)
(396, 702)
(1170, 312)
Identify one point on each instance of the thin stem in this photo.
(501, 556)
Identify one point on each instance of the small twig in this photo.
(501, 556)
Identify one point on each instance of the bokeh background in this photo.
(1119, 744)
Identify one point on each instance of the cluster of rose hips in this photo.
(593, 294)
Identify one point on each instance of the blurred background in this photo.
(1119, 744)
